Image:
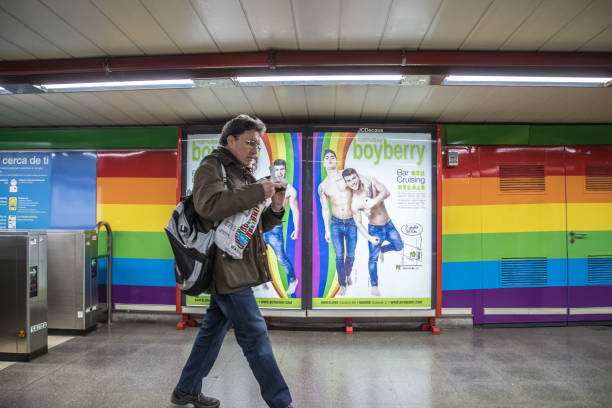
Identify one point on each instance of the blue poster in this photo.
(47, 190)
(25, 188)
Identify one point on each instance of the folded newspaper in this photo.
(234, 233)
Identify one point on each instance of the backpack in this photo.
(193, 246)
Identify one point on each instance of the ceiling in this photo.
(38, 30)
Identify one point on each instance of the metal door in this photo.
(589, 232)
(523, 226)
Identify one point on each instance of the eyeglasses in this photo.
(253, 144)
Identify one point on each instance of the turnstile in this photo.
(73, 279)
(23, 295)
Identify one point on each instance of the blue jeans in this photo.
(341, 230)
(385, 232)
(275, 239)
(240, 310)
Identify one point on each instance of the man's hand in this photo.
(327, 236)
(271, 189)
(294, 234)
(278, 199)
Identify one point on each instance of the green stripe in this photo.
(530, 135)
(492, 247)
(549, 244)
(594, 243)
(162, 137)
(133, 244)
(486, 134)
(545, 135)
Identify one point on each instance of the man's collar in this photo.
(227, 157)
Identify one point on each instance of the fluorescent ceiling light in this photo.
(4, 91)
(118, 85)
(318, 79)
(524, 80)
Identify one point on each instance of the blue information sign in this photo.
(25, 188)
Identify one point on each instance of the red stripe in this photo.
(137, 164)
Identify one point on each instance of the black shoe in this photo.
(199, 401)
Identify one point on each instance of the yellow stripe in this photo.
(475, 219)
(135, 217)
(589, 216)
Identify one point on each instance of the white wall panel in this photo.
(93, 102)
(601, 42)
(317, 23)
(181, 22)
(595, 18)
(436, 102)
(407, 101)
(263, 101)
(226, 24)
(409, 21)
(234, 100)
(139, 25)
(321, 101)
(362, 23)
(454, 21)
(466, 100)
(207, 103)
(349, 101)
(272, 23)
(122, 100)
(9, 51)
(292, 102)
(180, 103)
(48, 25)
(500, 20)
(94, 25)
(22, 36)
(66, 103)
(378, 101)
(550, 17)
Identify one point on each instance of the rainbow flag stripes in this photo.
(136, 193)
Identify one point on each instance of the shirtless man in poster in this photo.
(340, 227)
(368, 196)
(275, 237)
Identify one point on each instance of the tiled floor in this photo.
(137, 365)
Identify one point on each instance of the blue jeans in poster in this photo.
(239, 310)
(341, 230)
(387, 233)
(275, 239)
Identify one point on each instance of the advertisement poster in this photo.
(282, 154)
(372, 221)
(25, 190)
(47, 190)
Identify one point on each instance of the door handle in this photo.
(576, 235)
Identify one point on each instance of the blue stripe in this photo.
(579, 275)
(487, 274)
(139, 272)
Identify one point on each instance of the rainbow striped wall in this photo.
(136, 193)
(481, 226)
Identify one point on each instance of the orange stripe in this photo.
(576, 192)
(136, 190)
(485, 191)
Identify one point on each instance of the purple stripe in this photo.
(140, 295)
(522, 319)
(590, 296)
(551, 296)
(588, 318)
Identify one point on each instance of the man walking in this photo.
(232, 302)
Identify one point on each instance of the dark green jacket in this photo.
(213, 202)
